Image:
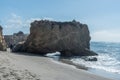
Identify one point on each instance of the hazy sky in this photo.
(102, 16)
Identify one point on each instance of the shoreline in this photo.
(67, 61)
(98, 72)
(80, 67)
(49, 69)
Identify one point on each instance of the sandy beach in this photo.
(14, 66)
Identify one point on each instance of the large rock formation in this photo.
(15, 38)
(69, 38)
(2, 41)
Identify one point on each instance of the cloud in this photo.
(15, 23)
(27, 22)
(48, 18)
(33, 19)
(106, 36)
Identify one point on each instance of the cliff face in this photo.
(69, 38)
(2, 41)
(15, 38)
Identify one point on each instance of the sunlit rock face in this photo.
(69, 38)
(2, 41)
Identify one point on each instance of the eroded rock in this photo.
(69, 38)
(15, 38)
(2, 41)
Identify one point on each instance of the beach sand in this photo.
(34, 67)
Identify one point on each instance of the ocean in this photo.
(108, 63)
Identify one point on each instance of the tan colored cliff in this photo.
(2, 41)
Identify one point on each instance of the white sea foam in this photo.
(105, 62)
(53, 54)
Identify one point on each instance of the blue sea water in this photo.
(108, 64)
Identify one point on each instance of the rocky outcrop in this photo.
(18, 47)
(15, 38)
(69, 38)
(2, 41)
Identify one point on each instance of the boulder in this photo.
(69, 38)
(20, 33)
(2, 41)
(15, 38)
(18, 47)
(89, 58)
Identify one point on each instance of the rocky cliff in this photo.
(15, 38)
(2, 41)
(69, 38)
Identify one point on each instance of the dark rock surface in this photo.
(18, 47)
(69, 38)
(15, 38)
(89, 58)
(2, 41)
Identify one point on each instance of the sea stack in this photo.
(70, 38)
(2, 41)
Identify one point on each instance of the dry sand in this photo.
(33, 67)
(9, 70)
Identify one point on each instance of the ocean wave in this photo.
(105, 62)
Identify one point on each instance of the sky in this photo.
(101, 16)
